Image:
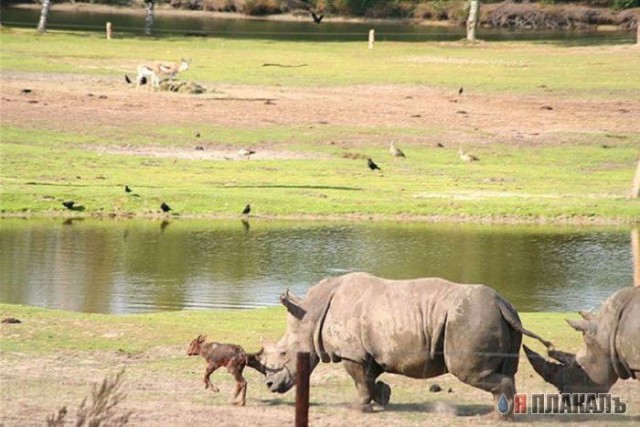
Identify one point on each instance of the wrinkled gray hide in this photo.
(418, 328)
(611, 348)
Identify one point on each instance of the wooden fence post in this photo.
(635, 250)
(302, 389)
(372, 38)
(635, 189)
(108, 30)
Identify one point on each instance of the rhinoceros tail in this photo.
(510, 314)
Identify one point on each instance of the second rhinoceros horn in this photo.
(553, 373)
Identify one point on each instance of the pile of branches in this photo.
(535, 16)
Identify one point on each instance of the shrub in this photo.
(222, 6)
(101, 411)
(262, 7)
(625, 4)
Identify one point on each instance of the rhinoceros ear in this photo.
(582, 325)
(293, 304)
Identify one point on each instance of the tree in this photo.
(148, 22)
(472, 21)
(44, 15)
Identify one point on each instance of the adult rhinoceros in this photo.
(418, 328)
(611, 348)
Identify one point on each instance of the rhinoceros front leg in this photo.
(364, 377)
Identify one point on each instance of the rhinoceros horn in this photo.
(553, 373)
(293, 304)
(582, 325)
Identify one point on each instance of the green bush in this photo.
(625, 4)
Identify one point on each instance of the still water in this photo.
(203, 24)
(135, 266)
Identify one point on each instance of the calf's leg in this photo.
(241, 385)
(207, 374)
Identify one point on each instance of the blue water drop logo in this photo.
(503, 405)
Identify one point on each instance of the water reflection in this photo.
(137, 266)
(203, 24)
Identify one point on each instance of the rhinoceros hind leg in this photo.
(382, 393)
(364, 377)
(498, 384)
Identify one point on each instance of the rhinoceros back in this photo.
(401, 323)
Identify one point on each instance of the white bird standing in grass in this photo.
(466, 157)
(395, 151)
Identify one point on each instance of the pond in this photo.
(204, 24)
(133, 266)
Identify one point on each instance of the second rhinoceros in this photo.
(611, 348)
(418, 328)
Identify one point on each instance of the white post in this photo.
(108, 30)
(635, 250)
(372, 38)
(635, 189)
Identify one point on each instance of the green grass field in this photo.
(52, 356)
(564, 176)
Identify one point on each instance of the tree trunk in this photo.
(44, 15)
(472, 21)
(148, 22)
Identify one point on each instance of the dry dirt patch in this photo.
(76, 103)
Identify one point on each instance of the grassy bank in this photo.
(49, 359)
(568, 154)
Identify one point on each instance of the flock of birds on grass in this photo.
(393, 150)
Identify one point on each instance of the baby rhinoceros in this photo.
(231, 356)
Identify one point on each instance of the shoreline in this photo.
(372, 218)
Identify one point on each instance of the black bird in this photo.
(246, 210)
(127, 189)
(197, 134)
(127, 79)
(316, 18)
(165, 207)
(372, 165)
(68, 204)
(460, 90)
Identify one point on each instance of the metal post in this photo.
(302, 389)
